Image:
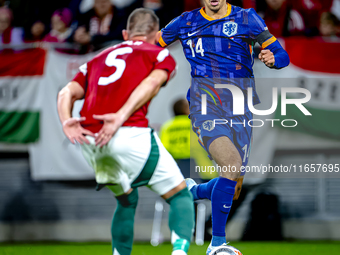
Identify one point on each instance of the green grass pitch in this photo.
(247, 248)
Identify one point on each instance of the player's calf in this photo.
(181, 220)
(123, 222)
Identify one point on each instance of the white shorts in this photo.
(134, 157)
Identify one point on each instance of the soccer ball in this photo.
(225, 250)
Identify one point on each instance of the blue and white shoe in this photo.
(192, 186)
(190, 183)
(212, 248)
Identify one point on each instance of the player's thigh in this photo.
(167, 175)
(227, 157)
(217, 141)
(226, 143)
(119, 163)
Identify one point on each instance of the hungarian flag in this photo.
(315, 66)
(20, 76)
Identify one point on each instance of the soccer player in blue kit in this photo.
(218, 42)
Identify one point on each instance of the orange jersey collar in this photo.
(202, 11)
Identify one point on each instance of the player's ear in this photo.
(154, 38)
(125, 35)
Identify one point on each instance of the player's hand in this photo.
(267, 57)
(75, 132)
(112, 122)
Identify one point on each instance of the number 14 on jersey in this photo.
(199, 47)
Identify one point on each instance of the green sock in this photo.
(181, 219)
(122, 223)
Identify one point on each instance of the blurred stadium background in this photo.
(47, 191)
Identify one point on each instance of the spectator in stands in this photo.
(128, 5)
(166, 10)
(282, 19)
(310, 12)
(37, 32)
(35, 16)
(329, 25)
(335, 8)
(190, 5)
(8, 34)
(60, 26)
(103, 23)
(326, 5)
(239, 3)
(79, 7)
(153, 4)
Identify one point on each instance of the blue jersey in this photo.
(219, 51)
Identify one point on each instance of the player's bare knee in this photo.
(175, 190)
(231, 171)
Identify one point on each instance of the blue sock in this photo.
(218, 240)
(193, 191)
(203, 191)
(221, 201)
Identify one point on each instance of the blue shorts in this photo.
(236, 128)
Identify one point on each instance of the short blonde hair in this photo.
(142, 21)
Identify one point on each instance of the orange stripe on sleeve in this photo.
(269, 42)
(161, 42)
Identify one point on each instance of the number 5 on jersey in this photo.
(111, 60)
(199, 47)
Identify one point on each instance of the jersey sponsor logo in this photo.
(230, 28)
(191, 34)
(225, 206)
(208, 125)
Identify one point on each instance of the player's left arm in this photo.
(273, 55)
(169, 34)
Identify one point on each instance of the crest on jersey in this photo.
(230, 28)
(208, 125)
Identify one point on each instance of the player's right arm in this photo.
(71, 126)
(169, 34)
